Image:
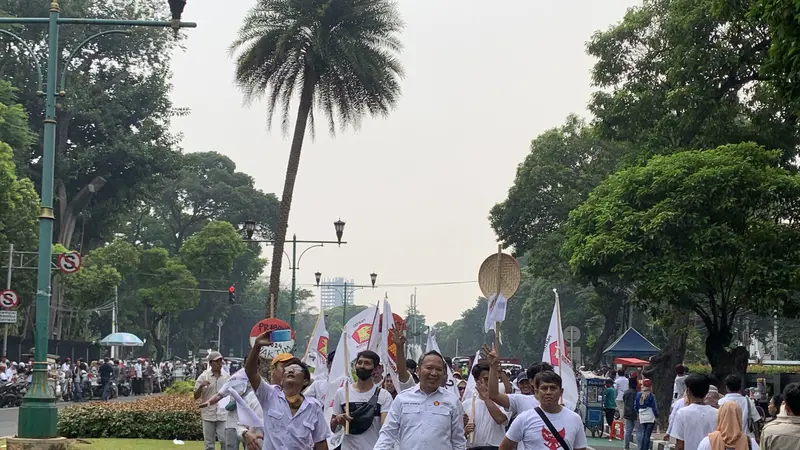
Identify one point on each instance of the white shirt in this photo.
(211, 413)
(621, 385)
(4, 376)
(367, 439)
(282, 431)
(529, 428)
(519, 403)
(705, 444)
(487, 431)
(137, 368)
(676, 405)
(318, 390)
(252, 401)
(420, 421)
(693, 423)
(743, 402)
(679, 387)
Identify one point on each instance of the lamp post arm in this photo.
(79, 47)
(300, 258)
(32, 55)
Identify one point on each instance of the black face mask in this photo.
(364, 374)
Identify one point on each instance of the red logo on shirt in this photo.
(549, 440)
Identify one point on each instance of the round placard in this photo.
(509, 273)
(275, 348)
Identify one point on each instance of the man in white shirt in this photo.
(206, 387)
(426, 416)
(360, 395)
(486, 420)
(696, 420)
(734, 385)
(621, 385)
(531, 429)
(291, 421)
(514, 403)
(678, 387)
(319, 388)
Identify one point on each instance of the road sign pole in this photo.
(8, 286)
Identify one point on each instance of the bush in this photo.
(164, 417)
(752, 368)
(181, 388)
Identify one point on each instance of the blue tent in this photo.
(631, 343)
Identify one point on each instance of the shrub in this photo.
(164, 417)
(181, 388)
(752, 368)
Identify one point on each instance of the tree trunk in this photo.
(724, 361)
(303, 111)
(610, 325)
(159, 347)
(663, 365)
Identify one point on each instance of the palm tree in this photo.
(341, 55)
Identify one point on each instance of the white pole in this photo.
(775, 337)
(219, 335)
(8, 286)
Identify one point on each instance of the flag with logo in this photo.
(495, 312)
(356, 335)
(433, 345)
(555, 353)
(388, 349)
(470, 390)
(317, 351)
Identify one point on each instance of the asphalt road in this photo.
(9, 416)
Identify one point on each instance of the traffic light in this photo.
(232, 295)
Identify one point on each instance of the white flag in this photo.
(555, 353)
(495, 312)
(433, 345)
(317, 351)
(356, 336)
(470, 390)
(388, 349)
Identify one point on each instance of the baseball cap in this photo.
(281, 357)
(213, 356)
(522, 376)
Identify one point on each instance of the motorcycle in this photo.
(124, 388)
(11, 394)
(97, 390)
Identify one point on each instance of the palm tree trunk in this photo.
(303, 110)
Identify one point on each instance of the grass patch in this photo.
(134, 444)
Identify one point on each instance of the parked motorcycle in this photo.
(124, 388)
(11, 394)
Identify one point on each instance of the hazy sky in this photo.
(415, 189)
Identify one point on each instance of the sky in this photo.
(415, 189)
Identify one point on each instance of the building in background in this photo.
(332, 292)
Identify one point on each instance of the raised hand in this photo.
(491, 355)
(263, 339)
(398, 336)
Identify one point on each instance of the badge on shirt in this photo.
(436, 403)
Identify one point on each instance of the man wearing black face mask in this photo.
(369, 405)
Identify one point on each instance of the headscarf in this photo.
(647, 386)
(713, 396)
(729, 429)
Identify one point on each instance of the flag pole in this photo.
(559, 341)
(313, 333)
(347, 379)
(497, 296)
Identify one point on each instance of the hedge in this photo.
(752, 368)
(181, 388)
(165, 417)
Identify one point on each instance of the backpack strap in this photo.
(552, 429)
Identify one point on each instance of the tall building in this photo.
(332, 292)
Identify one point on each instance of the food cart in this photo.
(591, 396)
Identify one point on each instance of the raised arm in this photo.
(251, 364)
(497, 414)
(399, 338)
(494, 369)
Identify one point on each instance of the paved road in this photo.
(9, 416)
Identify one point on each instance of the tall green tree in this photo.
(341, 56)
(783, 19)
(708, 232)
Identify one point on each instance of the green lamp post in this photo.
(38, 414)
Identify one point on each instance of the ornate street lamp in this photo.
(318, 275)
(176, 8)
(339, 225)
(249, 228)
(373, 276)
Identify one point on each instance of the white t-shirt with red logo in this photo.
(530, 430)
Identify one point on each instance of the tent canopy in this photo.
(631, 344)
(636, 362)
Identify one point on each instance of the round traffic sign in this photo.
(69, 262)
(9, 299)
(572, 334)
(273, 349)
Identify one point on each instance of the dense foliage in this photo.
(164, 417)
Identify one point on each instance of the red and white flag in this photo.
(555, 353)
(317, 351)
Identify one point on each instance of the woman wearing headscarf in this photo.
(645, 407)
(729, 435)
(713, 396)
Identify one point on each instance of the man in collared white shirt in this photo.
(621, 384)
(486, 419)
(733, 383)
(205, 388)
(291, 421)
(427, 416)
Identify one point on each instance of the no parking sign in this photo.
(9, 299)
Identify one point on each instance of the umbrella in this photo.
(123, 339)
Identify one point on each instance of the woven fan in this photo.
(503, 268)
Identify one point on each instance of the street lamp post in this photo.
(353, 287)
(250, 228)
(38, 414)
